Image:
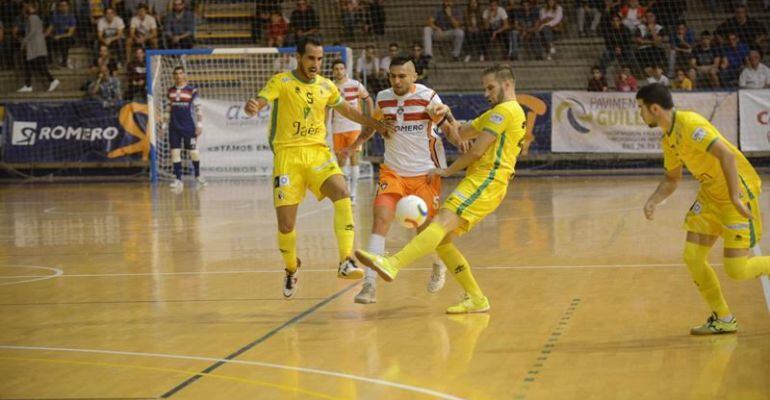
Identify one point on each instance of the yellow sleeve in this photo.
(334, 99)
(670, 160)
(272, 88)
(700, 137)
(493, 121)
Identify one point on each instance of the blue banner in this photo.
(469, 106)
(78, 131)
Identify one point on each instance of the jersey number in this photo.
(309, 96)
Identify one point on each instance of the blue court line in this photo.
(256, 342)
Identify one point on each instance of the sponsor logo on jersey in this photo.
(699, 135)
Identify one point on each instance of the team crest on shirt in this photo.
(699, 135)
(496, 119)
(400, 110)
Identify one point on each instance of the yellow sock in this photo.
(287, 244)
(459, 267)
(344, 228)
(705, 278)
(743, 268)
(422, 244)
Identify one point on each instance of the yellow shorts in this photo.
(297, 169)
(475, 198)
(720, 218)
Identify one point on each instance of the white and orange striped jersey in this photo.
(414, 148)
(352, 91)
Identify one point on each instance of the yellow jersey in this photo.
(507, 122)
(688, 142)
(298, 109)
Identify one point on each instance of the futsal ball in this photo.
(411, 211)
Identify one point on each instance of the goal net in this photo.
(231, 145)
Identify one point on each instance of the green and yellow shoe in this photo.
(378, 263)
(470, 305)
(715, 326)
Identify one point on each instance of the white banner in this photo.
(233, 145)
(755, 120)
(602, 122)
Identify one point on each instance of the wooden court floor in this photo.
(121, 291)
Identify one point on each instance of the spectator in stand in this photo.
(368, 69)
(110, 33)
(756, 75)
(106, 87)
(377, 16)
(750, 31)
(96, 10)
(421, 63)
(103, 57)
(475, 35)
(594, 9)
(180, 27)
(650, 39)
(36, 53)
(655, 75)
(495, 24)
(669, 12)
(284, 62)
(277, 30)
(303, 21)
(597, 82)
(633, 15)
(350, 11)
(618, 44)
(525, 29)
(733, 57)
(704, 62)
(6, 58)
(551, 16)
(681, 81)
(60, 34)
(137, 77)
(143, 31)
(682, 44)
(626, 82)
(446, 24)
(393, 51)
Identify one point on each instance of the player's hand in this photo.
(252, 107)
(742, 209)
(457, 140)
(198, 131)
(437, 111)
(442, 172)
(385, 127)
(649, 209)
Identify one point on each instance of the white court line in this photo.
(343, 375)
(31, 278)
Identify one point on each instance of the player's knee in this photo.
(735, 267)
(194, 155)
(285, 226)
(176, 155)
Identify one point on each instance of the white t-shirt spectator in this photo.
(495, 21)
(755, 78)
(143, 26)
(110, 29)
(282, 64)
(663, 80)
(385, 63)
(555, 15)
(371, 67)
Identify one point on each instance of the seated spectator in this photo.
(526, 25)
(626, 82)
(446, 24)
(669, 12)
(733, 57)
(551, 16)
(655, 75)
(597, 82)
(594, 9)
(650, 37)
(421, 63)
(103, 57)
(143, 31)
(180, 27)
(475, 36)
(393, 51)
(284, 62)
(368, 69)
(704, 62)
(495, 23)
(353, 18)
(681, 81)
(750, 31)
(36, 57)
(106, 87)
(682, 43)
(756, 75)
(60, 34)
(377, 16)
(110, 33)
(277, 30)
(303, 21)
(96, 10)
(618, 45)
(137, 77)
(633, 15)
